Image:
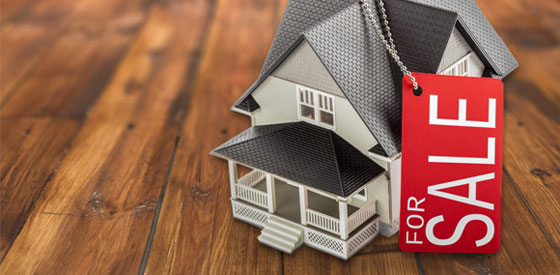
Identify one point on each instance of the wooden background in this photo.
(109, 110)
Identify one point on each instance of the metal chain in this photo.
(389, 41)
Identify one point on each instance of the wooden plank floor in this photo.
(109, 110)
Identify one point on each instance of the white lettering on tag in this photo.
(459, 230)
(415, 241)
(462, 121)
(490, 157)
(434, 190)
(416, 204)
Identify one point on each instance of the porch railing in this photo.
(322, 221)
(252, 195)
(252, 178)
(362, 215)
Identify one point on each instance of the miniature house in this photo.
(321, 163)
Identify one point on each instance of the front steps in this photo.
(281, 235)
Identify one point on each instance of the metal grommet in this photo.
(418, 92)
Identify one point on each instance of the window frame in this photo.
(360, 196)
(464, 62)
(317, 105)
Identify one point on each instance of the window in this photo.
(326, 110)
(460, 68)
(362, 195)
(306, 104)
(316, 107)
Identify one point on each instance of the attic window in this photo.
(316, 107)
(362, 195)
(460, 68)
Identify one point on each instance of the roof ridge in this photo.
(329, 18)
(341, 183)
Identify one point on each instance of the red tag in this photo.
(451, 165)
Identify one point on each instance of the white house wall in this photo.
(395, 186)
(377, 190)
(304, 66)
(278, 101)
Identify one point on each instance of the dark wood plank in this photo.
(96, 214)
(310, 261)
(24, 177)
(196, 232)
(24, 37)
(532, 122)
(31, 149)
(10, 9)
(535, 44)
(29, 28)
(69, 77)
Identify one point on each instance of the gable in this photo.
(303, 66)
(479, 32)
(457, 47)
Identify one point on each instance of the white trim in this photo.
(271, 192)
(303, 204)
(237, 110)
(363, 197)
(343, 216)
(326, 194)
(232, 167)
(459, 68)
(315, 102)
(379, 157)
(325, 242)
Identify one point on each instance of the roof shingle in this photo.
(304, 153)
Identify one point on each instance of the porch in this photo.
(298, 203)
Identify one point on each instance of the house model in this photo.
(321, 163)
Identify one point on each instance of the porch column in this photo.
(232, 178)
(343, 215)
(303, 203)
(271, 192)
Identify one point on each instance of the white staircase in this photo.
(281, 235)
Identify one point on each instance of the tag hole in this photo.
(418, 92)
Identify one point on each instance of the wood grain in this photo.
(42, 143)
(29, 28)
(70, 76)
(192, 234)
(109, 109)
(96, 214)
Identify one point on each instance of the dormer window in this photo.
(316, 107)
(460, 68)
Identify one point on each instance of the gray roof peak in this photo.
(358, 62)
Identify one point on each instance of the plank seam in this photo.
(533, 214)
(32, 208)
(419, 264)
(158, 209)
(192, 74)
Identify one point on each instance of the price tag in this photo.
(451, 165)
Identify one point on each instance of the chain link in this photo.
(389, 42)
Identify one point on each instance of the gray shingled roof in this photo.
(303, 153)
(356, 59)
(479, 31)
(378, 150)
